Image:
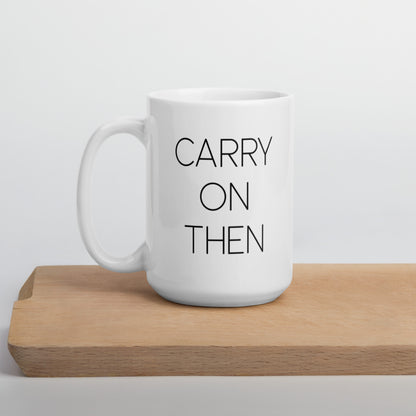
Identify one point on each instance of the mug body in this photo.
(219, 195)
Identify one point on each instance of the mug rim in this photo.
(217, 95)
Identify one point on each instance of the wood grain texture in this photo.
(333, 319)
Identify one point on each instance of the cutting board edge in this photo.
(214, 360)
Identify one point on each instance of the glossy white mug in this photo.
(219, 195)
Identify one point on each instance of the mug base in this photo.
(234, 301)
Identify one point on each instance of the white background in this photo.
(66, 67)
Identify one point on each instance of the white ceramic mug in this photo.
(219, 196)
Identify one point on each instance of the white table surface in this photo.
(343, 395)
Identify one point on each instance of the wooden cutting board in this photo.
(334, 319)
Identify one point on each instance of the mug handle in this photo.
(136, 261)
